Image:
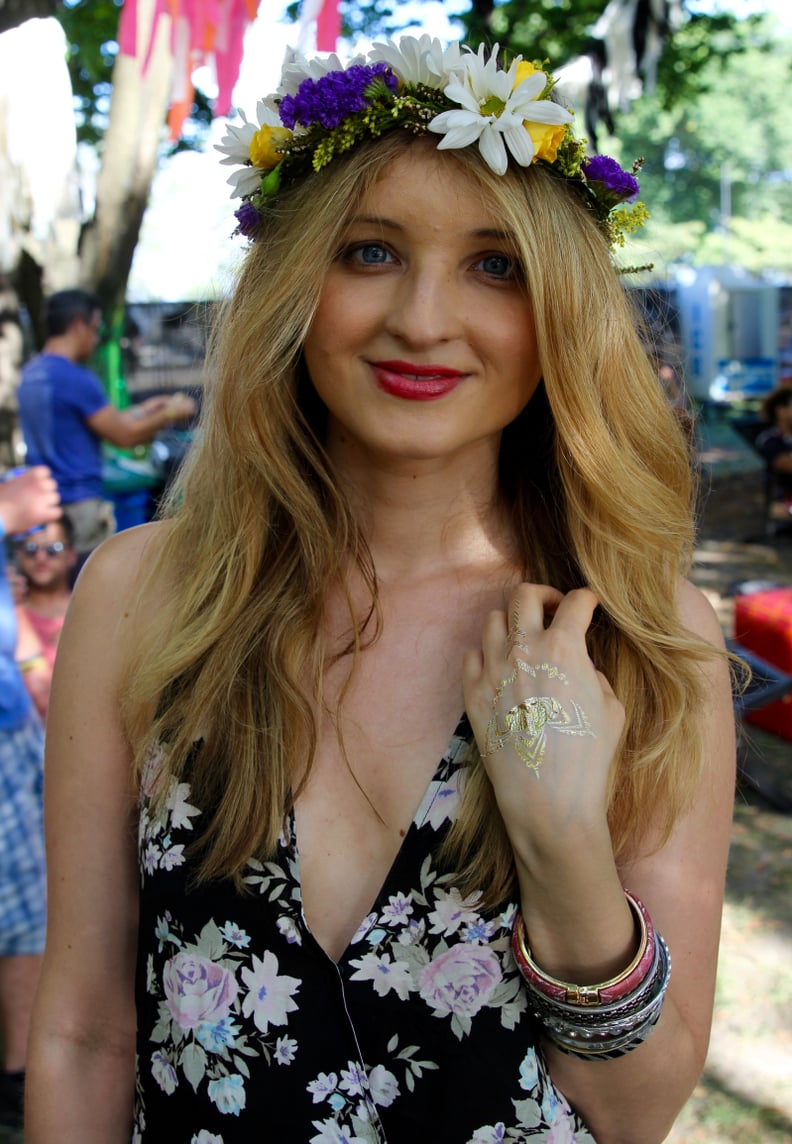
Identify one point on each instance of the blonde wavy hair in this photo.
(596, 473)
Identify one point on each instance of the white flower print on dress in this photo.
(363, 928)
(228, 1094)
(164, 1073)
(331, 1132)
(271, 997)
(155, 843)
(398, 910)
(353, 1080)
(235, 936)
(489, 1134)
(383, 1085)
(451, 911)
(180, 809)
(172, 857)
(440, 803)
(288, 928)
(384, 974)
(323, 1086)
(204, 1137)
(285, 1050)
(529, 1072)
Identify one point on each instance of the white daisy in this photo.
(297, 67)
(235, 146)
(422, 60)
(493, 111)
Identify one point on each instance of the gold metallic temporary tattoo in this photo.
(525, 727)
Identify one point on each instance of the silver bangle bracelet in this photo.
(602, 1032)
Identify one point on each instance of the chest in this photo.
(377, 753)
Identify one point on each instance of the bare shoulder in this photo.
(124, 559)
(697, 614)
(115, 599)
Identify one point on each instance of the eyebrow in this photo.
(390, 224)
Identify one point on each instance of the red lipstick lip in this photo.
(410, 382)
(412, 369)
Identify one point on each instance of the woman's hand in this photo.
(547, 723)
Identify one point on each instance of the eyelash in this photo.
(350, 255)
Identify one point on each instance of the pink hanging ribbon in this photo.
(328, 26)
(201, 30)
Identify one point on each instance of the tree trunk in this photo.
(129, 161)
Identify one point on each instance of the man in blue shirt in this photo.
(65, 415)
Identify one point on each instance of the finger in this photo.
(476, 701)
(495, 632)
(604, 683)
(472, 667)
(575, 611)
(529, 604)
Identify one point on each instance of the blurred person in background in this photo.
(775, 442)
(66, 415)
(26, 501)
(45, 560)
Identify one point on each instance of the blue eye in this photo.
(368, 254)
(499, 266)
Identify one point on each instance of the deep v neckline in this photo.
(456, 748)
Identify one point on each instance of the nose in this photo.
(425, 310)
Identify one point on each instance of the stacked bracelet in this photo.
(606, 1020)
(32, 663)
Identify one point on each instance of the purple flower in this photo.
(247, 219)
(615, 184)
(330, 100)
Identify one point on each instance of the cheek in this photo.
(513, 338)
(339, 327)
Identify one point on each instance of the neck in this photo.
(61, 346)
(48, 601)
(423, 517)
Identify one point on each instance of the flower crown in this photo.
(323, 109)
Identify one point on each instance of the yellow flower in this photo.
(264, 144)
(524, 69)
(546, 137)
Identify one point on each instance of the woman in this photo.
(423, 487)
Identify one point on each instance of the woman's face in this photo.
(423, 343)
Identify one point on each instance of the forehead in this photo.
(428, 189)
(48, 534)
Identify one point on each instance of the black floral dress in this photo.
(248, 1031)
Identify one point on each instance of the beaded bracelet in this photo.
(619, 986)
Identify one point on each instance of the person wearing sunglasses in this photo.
(45, 559)
(65, 415)
(26, 501)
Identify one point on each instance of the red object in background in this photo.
(763, 625)
(328, 26)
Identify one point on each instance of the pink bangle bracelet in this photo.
(608, 991)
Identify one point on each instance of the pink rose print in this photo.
(197, 991)
(460, 980)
